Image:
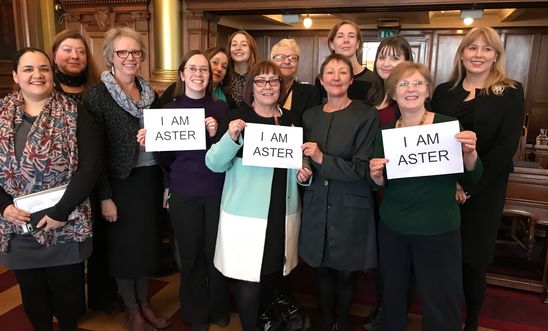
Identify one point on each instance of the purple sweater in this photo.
(188, 173)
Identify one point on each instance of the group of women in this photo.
(248, 223)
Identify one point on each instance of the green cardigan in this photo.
(423, 205)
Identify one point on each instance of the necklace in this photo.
(399, 122)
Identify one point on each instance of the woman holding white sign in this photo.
(420, 218)
(486, 100)
(130, 187)
(338, 228)
(260, 207)
(195, 197)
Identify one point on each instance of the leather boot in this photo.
(135, 319)
(155, 320)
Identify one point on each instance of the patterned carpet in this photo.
(504, 309)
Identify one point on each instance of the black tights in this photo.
(252, 298)
(336, 289)
(52, 291)
(473, 279)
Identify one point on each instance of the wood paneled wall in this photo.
(526, 59)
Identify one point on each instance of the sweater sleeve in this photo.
(84, 178)
(220, 156)
(103, 184)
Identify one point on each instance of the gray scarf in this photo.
(133, 107)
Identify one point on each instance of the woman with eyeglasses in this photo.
(338, 228)
(486, 100)
(420, 220)
(130, 187)
(194, 200)
(345, 39)
(260, 206)
(392, 51)
(219, 61)
(298, 97)
(242, 49)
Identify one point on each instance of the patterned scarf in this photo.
(49, 158)
(133, 107)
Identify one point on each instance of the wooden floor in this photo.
(166, 301)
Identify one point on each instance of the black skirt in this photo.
(134, 240)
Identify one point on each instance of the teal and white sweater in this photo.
(244, 213)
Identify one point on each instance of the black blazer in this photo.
(305, 96)
(497, 122)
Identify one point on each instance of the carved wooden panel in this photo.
(538, 115)
(92, 18)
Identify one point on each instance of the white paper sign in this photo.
(424, 150)
(273, 146)
(174, 129)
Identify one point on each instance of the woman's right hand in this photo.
(141, 135)
(460, 195)
(235, 128)
(376, 169)
(109, 210)
(15, 215)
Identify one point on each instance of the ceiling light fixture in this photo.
(468, 16)
(307, 22)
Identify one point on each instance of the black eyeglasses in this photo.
(282, 57)
(124, 53)
(262, 82)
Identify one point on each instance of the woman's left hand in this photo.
(304, 175)
(211, 126)
(141, 134)
(468, 140)
(49, 224)
(312, 150)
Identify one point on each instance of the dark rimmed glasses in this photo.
(272, 82)
(124, 53)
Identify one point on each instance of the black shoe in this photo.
(222, 322)
(470, 326)
(200, 327)
(372, 322)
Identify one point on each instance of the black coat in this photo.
(338, 227)
(304, 96)
(497, 122)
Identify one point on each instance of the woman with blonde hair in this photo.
(130, 187)
(298, 97)
(488, 102)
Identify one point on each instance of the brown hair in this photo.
(336, 57)
(211, 52)
(497, 75)
(393, 45)
(403, 69)
(335, 29)
(180, 86)
(263, 67)
(91, 72)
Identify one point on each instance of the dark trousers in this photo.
(203, 290)
(436, 261)
(52, 291)
(473, 280)
(252, 299)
